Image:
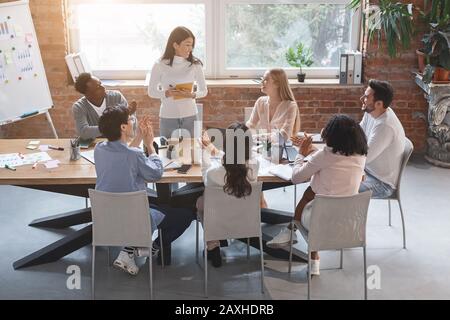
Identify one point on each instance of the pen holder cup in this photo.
(75, 153)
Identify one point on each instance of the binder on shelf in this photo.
(77, 63)
(350, 67)
(343, 69)
(357, 74)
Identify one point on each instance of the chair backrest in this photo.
(338, 221)
(228, 217)
(409, 148)
(120, 219)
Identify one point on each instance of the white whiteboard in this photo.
(23, 84)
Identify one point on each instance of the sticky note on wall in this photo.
(8, 57)
(29, 38)
(19, 30)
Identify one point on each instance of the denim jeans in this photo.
(379, 189)
(169, 127)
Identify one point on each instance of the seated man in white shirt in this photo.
(385, 138)
(96, 99)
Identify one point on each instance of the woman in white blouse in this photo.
(172, 80)
(337, 169)
(277, 110)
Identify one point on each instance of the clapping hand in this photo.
(297, 141)
(205, 140)
(304, 144)
(146, 130)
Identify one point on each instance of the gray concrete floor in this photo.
(419, 272)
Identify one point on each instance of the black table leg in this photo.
(64, 220)
(58, 249)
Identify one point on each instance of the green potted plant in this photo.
(437, 41)
(389, 21)
(300, 56)
(437, 49)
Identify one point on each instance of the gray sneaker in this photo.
(282, 239)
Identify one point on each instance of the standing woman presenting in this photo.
(172, 80)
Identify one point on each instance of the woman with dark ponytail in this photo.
(235, 173)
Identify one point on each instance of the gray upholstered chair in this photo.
(119, 220)
(409, 148)
(228, 217)
(337, 222)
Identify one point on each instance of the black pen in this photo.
(56, 148)
(10, 167)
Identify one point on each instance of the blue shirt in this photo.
(123, 169)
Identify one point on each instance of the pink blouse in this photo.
(286, 117)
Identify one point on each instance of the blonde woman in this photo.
(277, 110)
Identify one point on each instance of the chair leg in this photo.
(365, 273)
(196, 241)
(109, 257)
(161, 246)
(342, 259)
(403, 222)
(248, 248)
(309, 275)
(206, 271)
(295, 196)
(291, 242)
(150, 272)
(389, 204)
(261, 253)
(93, 274)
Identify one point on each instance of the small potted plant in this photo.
(436, 40)
(300, 56)
(437, 48)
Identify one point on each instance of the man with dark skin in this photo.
(90, 107)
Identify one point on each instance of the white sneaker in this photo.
(315, 267)
(125, 261)
(282, 239)
(144, 252)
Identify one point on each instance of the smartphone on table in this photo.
(184, 168)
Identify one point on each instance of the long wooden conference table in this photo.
(76, 177)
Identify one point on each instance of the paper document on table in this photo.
(17, 159)
(170, 164)
(264, 165)
(52, 164)
(283, 171)
(88, 155)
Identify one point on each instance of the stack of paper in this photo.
(283, 171)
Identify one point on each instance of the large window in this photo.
(234, 38)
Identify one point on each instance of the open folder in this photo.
(183, 87)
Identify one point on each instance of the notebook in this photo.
(88, 155)
(185, 87)
(170, 164)
(283, 171)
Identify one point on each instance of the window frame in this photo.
(215, 37)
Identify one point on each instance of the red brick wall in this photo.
(223, 105)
